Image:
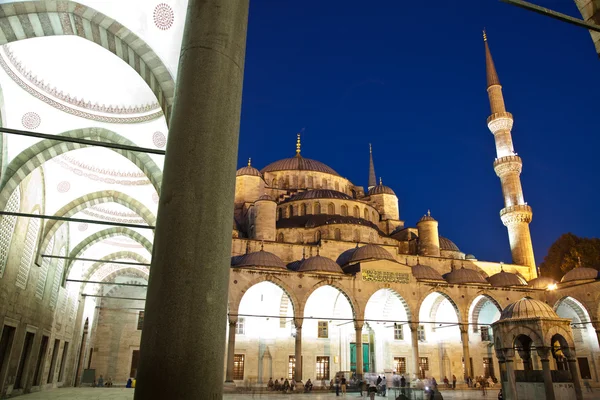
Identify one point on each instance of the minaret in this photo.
(372, 177)
(516, 214)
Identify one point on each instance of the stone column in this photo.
(511, 387)
(183, 339)
(359, 349)
(298, 351)
(596, 325)
(502, 365)
(575, 377)
(231, 349)
(414, 337)
(464, 337)
(544, 353)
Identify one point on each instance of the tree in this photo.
(570, 251)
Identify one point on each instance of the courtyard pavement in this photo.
(127, 394)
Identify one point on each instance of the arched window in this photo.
(374, 215)
(287, 181)
(58, 272)
(344, 210)
(280, 237)
(41, 282)
(356, 236)
(318, 236)
(356, 212)
(330, 209)
(290, 211)
(337, 186)
(301, 182)
(310, 182)
(324, 183)
(7, 227)
(274, 182)
(366, 214)
(295, 181)
(29, 248)
(281, 182)
(280, 213)
(317, 208)
(303, 209)
(337, 234)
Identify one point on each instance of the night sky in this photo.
(409, 77)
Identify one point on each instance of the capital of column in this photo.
(414, 326)
(544, 353)
(298, 323)
(233, 319)
(519, 213)
(358, 325)
(464, 329)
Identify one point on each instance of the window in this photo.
(356, 212)
(290, 211)
(398, 332)
(421, 333)
(337, 186)
(7, 227)
(280, 213)
(140, 320)
(291, 367)
(280, 237)
(485, 333)
(423, 367)
(317, 236)
(344, 210)
(488, 367)
(322, 368)
(238, 367)
(323, 329)
(33, 228)
(63, 361)
(303, 209)
(317, 208)
(366, 214)
(330, 209)
(337, 234)
(240, 326)
(374, 216)
(400, 365)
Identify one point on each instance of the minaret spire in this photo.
(298, 146)
(516, 214)
(372, 176)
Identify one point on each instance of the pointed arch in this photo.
(31, 158)
(101, 235)
(443, 294)
(119, 255)
(476, 306)
(112, 272)
(579, 308)
(369, 295)
(91, 199)
(357, 311)
(237, 294)
(31, 19)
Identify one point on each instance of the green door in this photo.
(365, 357)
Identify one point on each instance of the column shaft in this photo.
(575, 376)
(184, 335)
(414, 336)
(298, 354)
(230, 351)
(359, 353)
(548, 379)
(511, 392)
(464, 336)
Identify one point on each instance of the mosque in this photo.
(325, 276)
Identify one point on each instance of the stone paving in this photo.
(127, 394)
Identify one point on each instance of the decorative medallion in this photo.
(155, 197)
(63, 187)
(163, 16)
(159, 139)
(82, 227)
(31, 120)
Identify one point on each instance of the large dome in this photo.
(503, 279)
(319, 264)
(464, 275)
(580, 274)
(319, 194)
(298, 163)
(259, 259)
(370, 252)
(528, 308)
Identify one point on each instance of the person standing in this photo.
(343, 384)
(453, 382)
(337, 385)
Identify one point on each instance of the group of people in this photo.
(447, 382)
(102, 383)
(480, 382)
(283, 385)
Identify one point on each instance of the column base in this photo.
(229, 387)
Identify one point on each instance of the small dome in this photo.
(503, 279)
(319, 264)
(426, 272)
(580, 274)
(426, 217)
(265, 197)
(320, 194)
(345, 257)
(381, 189)
(236, 259)
(260, 259)
(248, 170)
(541, 282)
(299, 163)
(470, 257)
(370, 252)
(464, 275)
(528, 308)
(447, 244)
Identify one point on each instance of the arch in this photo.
(317, 208)
(31, 158)
(366, 214)
(580, 309)
(344, 210)
(290, 211)
(407, 309)
(331, 209)
(101, 235)
(302, 209)
(509, 337)
(119, 255)
(236, 296)
(31, 19)
(356, 212)
(337, 234)
(92, 199)
(115, 270)
(475, 308)
(445, 295)
(356, 310)
(563, 333)
(280, 237)
(280, 213)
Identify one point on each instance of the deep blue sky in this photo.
(409, 77)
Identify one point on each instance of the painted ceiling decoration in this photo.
(31, 120)
(56, 98)
(101, 174)
(163, 16)
(113, 215)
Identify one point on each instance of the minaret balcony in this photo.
(502, 121)
(508, 164)
(519, 213)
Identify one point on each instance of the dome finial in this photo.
(249, 162)
(318, 252)
(429, 213)
(298, 145)
(484, 35)
(380, 181)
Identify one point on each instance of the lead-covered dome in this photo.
(345, 257)
(504, 279)
(319, 264)
(542, 282)
(425, 272)
(580, 274)
(259, 259)
(265, 197)
(381, 189)
(248, 170)
(464, 275)
(447, 244)
(528, 308)
(299, 163)
(319, 194)
(370, 252)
